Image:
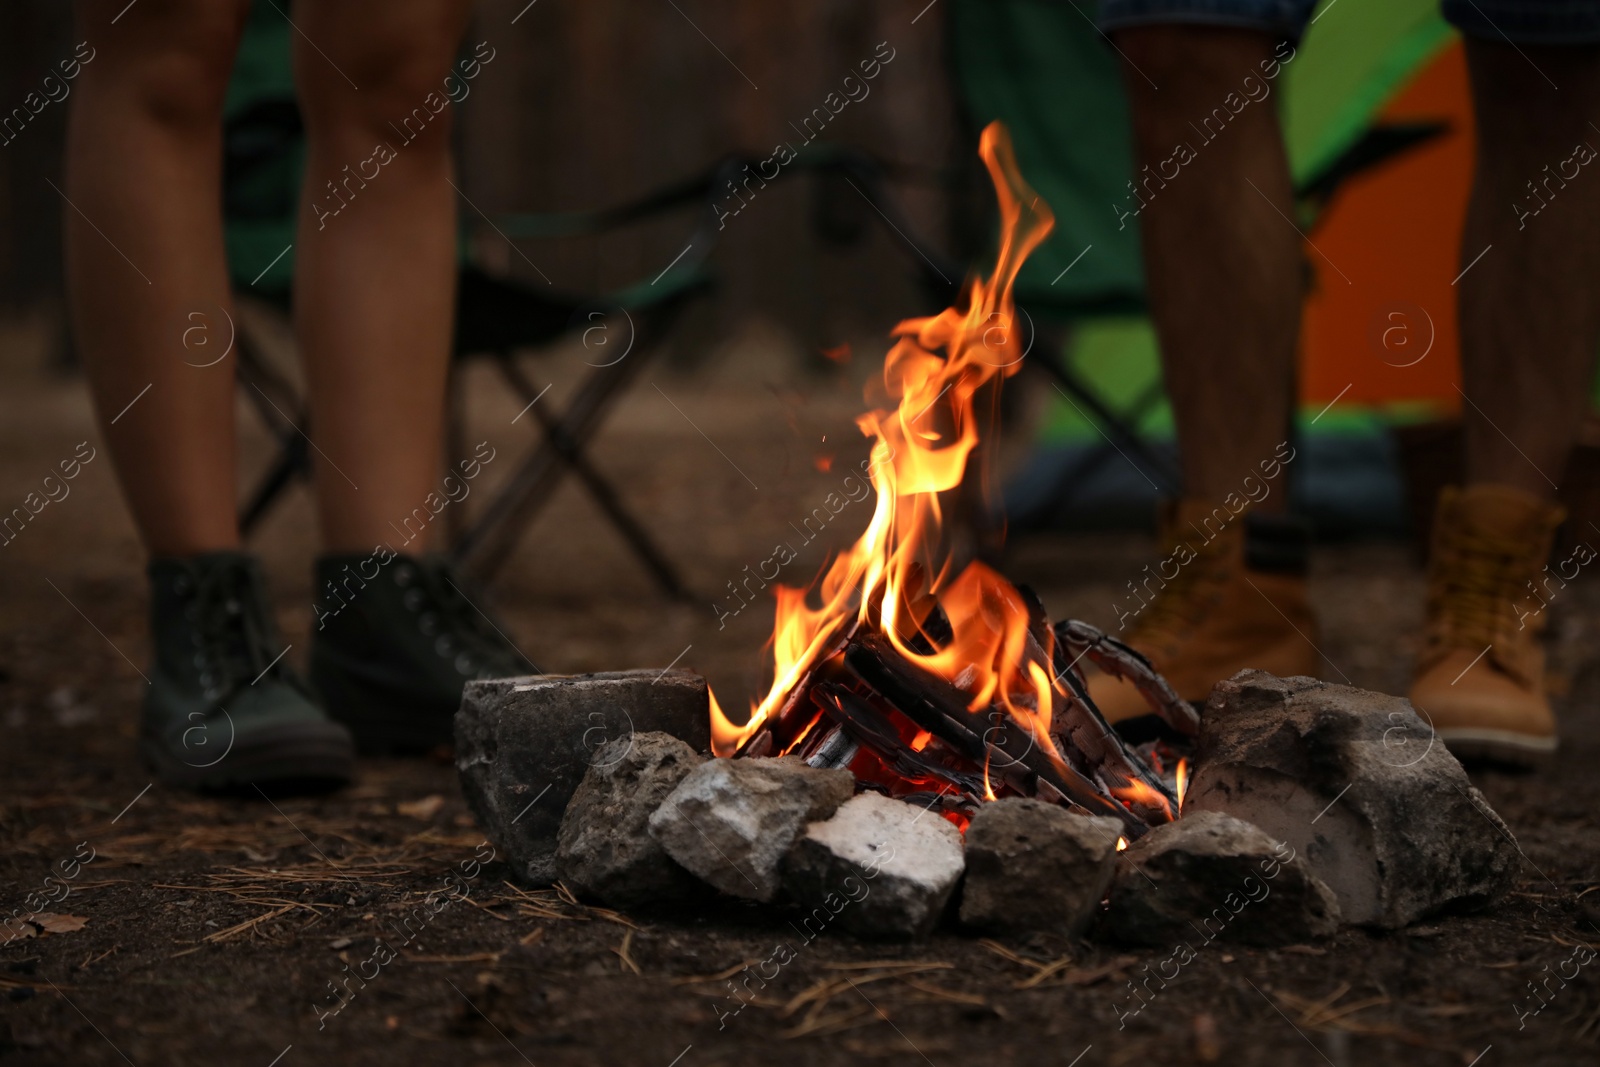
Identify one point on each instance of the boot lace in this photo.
(1472, 595)
(233, 635)
(461, 632)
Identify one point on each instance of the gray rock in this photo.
(524, 744)
(1212, 877)
(1363, 790)
(1036, 866)
(732, 821)
(605, 850)
(878, 867)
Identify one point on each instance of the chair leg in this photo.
(570, 451)
(261, 383)
(489, 541)
(482, 549)
(1106, 452)
(604, 495)
(292, 462)
(258, 382)
(1114, 427)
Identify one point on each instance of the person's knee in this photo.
(398, 95)
(171, 66)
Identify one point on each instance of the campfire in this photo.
(950, 687)
(907, 683)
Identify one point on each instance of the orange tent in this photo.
(1380, 326)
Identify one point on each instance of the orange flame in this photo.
(920, 449)
(1136, 792)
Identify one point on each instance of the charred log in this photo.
(1076, 640)
(941, 709)
(868, 727)
(835, 750)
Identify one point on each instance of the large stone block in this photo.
(1359, 785)
(524, 744)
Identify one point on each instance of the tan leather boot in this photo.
(1228, 593)
(1480, 676)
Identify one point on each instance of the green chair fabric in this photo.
(260, 195)
(1042, 68)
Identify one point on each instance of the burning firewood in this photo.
(921, 677)
(937, 707)
(902, 678)
(868, 727)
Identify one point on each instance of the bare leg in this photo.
(1530, 320)
(1225, 276)
(146, 276)
(375, 268)
(1222, 262)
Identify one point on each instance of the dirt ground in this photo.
(210, 930)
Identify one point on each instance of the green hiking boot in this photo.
(396, 640)
(223, 710)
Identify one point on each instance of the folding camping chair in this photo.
(496, 318)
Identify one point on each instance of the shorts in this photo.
(1520, 21)
(1527, 21)
(1283, 18)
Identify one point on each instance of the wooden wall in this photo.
(593, 103)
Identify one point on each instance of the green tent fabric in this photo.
(1349, 65)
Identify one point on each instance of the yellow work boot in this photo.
(1480, 676)
(1229, 593)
